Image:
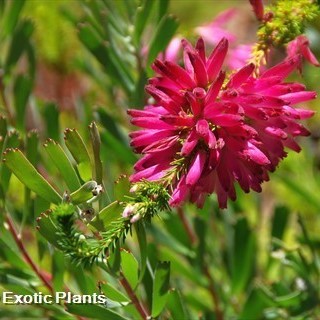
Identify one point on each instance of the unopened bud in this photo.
(134, 188)
(135, 218)
(129, 210)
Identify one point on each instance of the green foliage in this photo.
(286, 22)
(72, 221)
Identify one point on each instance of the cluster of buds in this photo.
(149, 199)
(282, 24)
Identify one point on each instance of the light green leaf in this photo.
(84, 193)
(160, 287)
(62, 162)
(79, 152)
(106, 216)
(29, 176)
(129, 266)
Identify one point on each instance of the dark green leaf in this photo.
(243, 256)
(163, 8)
(160, 287)
(19, 43)
(142, 15)
(48, 229)
(110, 124)
(32, 143)
(256, 303)
(114, 259)
(29, 176)
(176, 306)
(22, 89)
(51, 117)
(279, 222)
(3, 126)
(123, 152)
(162, 36)
(84, 280)
(142, 240)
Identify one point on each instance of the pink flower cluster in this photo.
(205, 132)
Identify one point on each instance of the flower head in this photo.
(204, 133)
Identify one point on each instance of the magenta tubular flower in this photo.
(300, 45)
(257, 6)
(204, 133)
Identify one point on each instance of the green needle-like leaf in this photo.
(62, 162)
(29, 176)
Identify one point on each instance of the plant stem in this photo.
(18, 241)
(193, 240)
(134, 299)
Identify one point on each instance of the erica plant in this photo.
(144, 199)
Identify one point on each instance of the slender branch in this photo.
(187, 226)
(193, 240)
(18, 241)
(138, 305)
